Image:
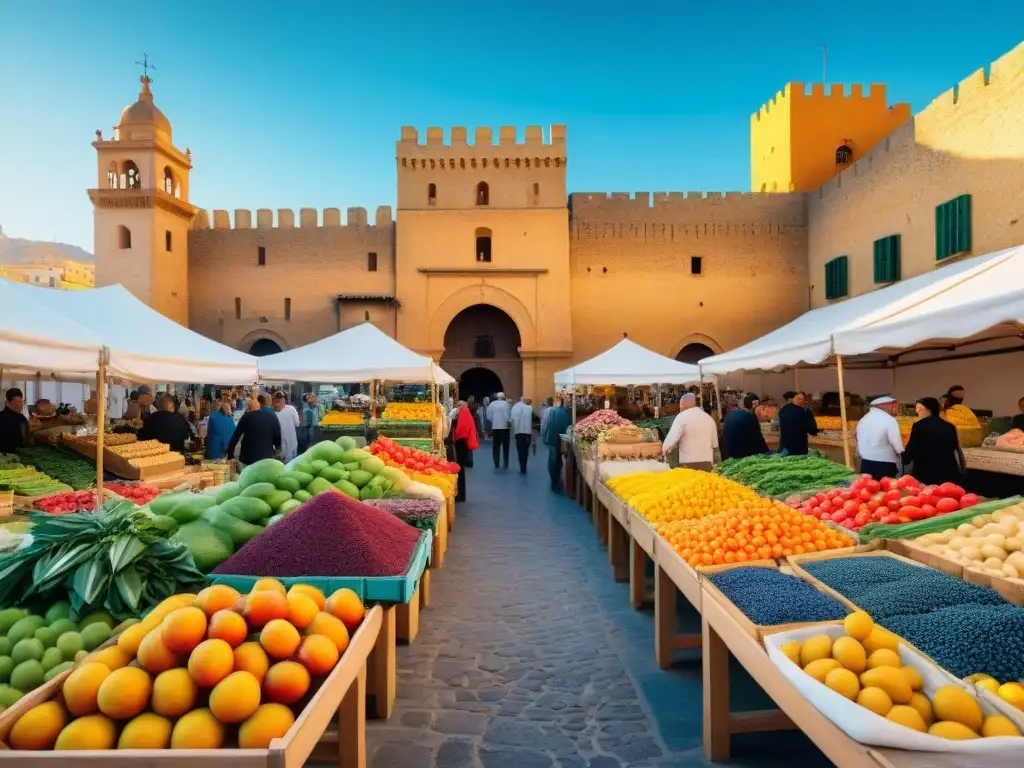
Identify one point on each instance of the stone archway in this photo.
(481, 350)
(473, 295)
(262, 342)
(694, 352)
(263, 347)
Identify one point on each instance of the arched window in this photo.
(483, 245)
(132, 177)
(177, 189)
(124, 237)
(112, 175)
(483, 193)
(844, 154)
(431, 194)
(168, 180)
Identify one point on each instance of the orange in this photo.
(154, 656)
(174, 693)
(346, 605)
(183, 629)
(211, 662)
(235, 698)
(82, 687)
(318, 654)
(268, 584)
(332, 627)
(124, 693)
(309, 591)
(301, 609)
(286, 682)
(199, 729)
(265, 605)
(280, 639)
(219, 597)
(250, 657)
(270, 721)
(228, 626)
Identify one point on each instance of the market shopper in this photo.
(13, 423)
(694, 433)
(464, 438)
(219, 429)
(954, 396)
(933, 448)
(289, 419)
(166, 425)
(878, 439)
(1018, 420)
(259, 431)
(522, 426)
(796, 423)
(499, 412)
(558, 420)
(741, 432)
(310, 418)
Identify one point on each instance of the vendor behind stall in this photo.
(796, 422)
(878, 439)
(166, 425)
(741, 432)
(13, 424)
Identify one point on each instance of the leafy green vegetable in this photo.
(64, 466)
(777, 475)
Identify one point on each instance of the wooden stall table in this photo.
(381, 666)
(671, 575)
(616, 518)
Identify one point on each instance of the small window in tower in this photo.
(287, 309)
(483, 245)
(844, 154)
(371, 262)
(536, 193)
(167, 241)
(168, 180)
(53, 282)
(483, 193)
(696, 265)
(238, 308)
(261, 256)
(124, 237)
(431, 194)
(132, 177)
(112, 175)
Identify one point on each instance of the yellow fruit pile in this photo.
(343, 419)
(188, 672)
(961, 416)
(679, 494)
(408, 412)
(864, 666)
(442, 480)
(1012, 692)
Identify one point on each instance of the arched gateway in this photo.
(481, 350)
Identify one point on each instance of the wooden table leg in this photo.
(618, 548)
(450, 503)
(664, 617)
(439, 545)
(407, 619)
(637, 575)
(352, 725)
(717, 721)
(425, 589)
(382, 675)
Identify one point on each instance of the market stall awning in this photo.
(143, 344)
(982, 299)
(808, 339)
(361, 353)
(35, 338)
(628, 364)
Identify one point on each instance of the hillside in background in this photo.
(18, 251)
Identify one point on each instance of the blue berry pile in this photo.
(969, 639)
(769, 598)
(885, 586)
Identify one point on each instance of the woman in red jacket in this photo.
(464, 437)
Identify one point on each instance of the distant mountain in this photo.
(16, 250)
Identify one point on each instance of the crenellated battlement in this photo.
(487, 150)
(794, 93)
(483, 137)
(309, 218)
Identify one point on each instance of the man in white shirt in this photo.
(522, 426)
(499, 412)
(878, 439)
(696, 435)
(289, 418)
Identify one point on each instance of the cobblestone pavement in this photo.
(531, 656)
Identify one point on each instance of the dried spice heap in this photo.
(329, 535)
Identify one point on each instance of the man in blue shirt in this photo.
(741, 433)
(796, 422)
(556, 422)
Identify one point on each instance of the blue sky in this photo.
(290, 105)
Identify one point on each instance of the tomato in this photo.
(968, 500)
(826, 516)
(893, 495)
(820, 497)
(864, 494)
(833, 493)
(907, 482)
(946, 504)
(851, 505)
(840, 514)
(927, 500)
(894, 505)
(910, 511)
(889, 519)
(862, 518)
(826, 505)
(886, 483)
(929, 511)
(952, 490)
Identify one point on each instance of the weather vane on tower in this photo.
(146, 66)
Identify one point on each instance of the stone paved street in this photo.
(531, 656)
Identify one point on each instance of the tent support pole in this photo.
(435, 442)
(101, 423)
(373, 398)
(718, 403)
(574, 411)
(842, 411)
(796, 378)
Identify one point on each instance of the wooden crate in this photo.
(6, 504)
(119, 466)
(1011, 589)
(341, 699)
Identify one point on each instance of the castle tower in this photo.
(141, 211)
(482, 256)
(800, 140)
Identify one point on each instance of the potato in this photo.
(981, 520)
(992, 563)
(1006, 514)
(966, 529)
(958, 542)
(1013, 544)
(938, 549)
(990, 552)
(928, 539)
(1010, 572)
(1016, 559)
(995, 540)
(972, 554)
(945, 536)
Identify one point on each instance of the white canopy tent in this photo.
(35, 338)
(143, 344)
(809, 338)
(360, 354)
(986, 298)
(628, 364)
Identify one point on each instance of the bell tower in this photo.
(141, 208)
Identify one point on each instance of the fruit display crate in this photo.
(339, 700)
(383, 589)
(121, 467)
(1011, 589)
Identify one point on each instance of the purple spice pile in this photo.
(421, 513)
(329, 535)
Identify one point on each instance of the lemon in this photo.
(913, 678)
(947, 729)
(924, 707)
(875, 699)
(889, 680)
(953, 703)
(989, 684)
(858, 625)
(1013, 693)
(815, 648)
(883, 657)
(907, 716)
(819, 668)
(999, 725)
(844, 682)
(850, 653)
(881, 638)
(792, 651)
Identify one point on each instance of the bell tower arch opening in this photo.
(694, 352)
(481, 349)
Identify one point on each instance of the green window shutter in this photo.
(953, 227)
(887, 259)
(940, 232)
(830, 279)
(963, 223)
(878, 260)
(835, 278)
(842, 286)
